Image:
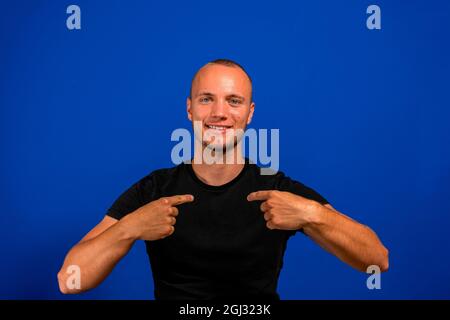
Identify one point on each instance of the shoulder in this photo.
(278, 180)
(141, 192)
(270, 178)
(160, 177)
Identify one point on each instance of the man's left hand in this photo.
(284, 210)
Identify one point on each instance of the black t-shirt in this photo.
(221, 246)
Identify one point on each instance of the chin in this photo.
(221, 146)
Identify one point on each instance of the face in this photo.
(221, 102)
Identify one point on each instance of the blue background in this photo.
(363, 118)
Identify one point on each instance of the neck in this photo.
(217, 174)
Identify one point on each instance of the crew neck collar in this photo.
(221, 187)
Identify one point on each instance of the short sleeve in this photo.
(298, 188)
(127, 202)
(287, 184)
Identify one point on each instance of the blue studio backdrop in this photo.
(363, 117)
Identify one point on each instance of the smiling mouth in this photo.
(218, 127)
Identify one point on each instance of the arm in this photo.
(103, 247)
(350, 241)
(97, 254)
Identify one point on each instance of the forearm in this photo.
(352, 242)
(96, 257)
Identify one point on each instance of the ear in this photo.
(250, 115)
(189, 111)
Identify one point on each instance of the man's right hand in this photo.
(156, 219)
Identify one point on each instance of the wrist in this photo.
(128, 228)
(315, 215)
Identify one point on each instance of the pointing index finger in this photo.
(179, 199)
(259, 195)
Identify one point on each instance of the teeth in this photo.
(217, 127)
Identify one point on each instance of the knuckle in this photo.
(167, 231)
(276, 193)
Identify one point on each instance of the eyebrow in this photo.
(236, 96)
(205, 94)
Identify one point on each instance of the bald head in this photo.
(239, 72)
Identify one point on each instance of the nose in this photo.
(219, 110)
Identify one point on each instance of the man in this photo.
(218, 230)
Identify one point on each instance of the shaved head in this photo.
(223, 62)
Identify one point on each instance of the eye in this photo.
(235, 101)
(204, 100)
